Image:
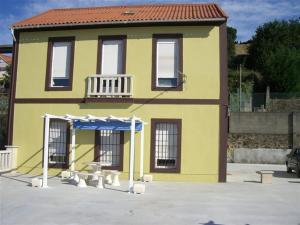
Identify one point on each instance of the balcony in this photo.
(109, 86)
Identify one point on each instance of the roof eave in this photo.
(221, 19)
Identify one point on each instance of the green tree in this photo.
(231, 40)
(275, 54)
(233, 65)
(5, 81)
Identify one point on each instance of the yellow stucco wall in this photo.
(200, 135)
(200, 61)
(200, 123)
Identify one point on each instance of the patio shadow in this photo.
(284, 174)
(211, 222)
(294, 182)
(252, 181)
(18, 180)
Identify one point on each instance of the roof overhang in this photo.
(128, 22)
(6, 48)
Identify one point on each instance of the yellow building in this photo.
(164, 64)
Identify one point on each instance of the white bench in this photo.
(66, 174)
(36, 182)
(265, 176)
(139, 188)
(82, 177)
(115, 178)
(100, 178)
(112, 177)
(147, 178)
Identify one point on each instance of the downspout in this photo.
(13, 34)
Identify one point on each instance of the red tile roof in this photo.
(6, 58)
(125, 14)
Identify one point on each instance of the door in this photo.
(109, 149)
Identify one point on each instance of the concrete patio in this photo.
(243, 200)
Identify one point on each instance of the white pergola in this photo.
(93, 119)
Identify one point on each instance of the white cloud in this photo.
(247, 15)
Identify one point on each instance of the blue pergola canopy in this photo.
(106, 125)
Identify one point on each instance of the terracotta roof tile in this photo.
(6, 58)
(125, 14)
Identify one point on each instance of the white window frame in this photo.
(67, 65)
(175, 75)
(51, 73)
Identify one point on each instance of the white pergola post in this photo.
(73, 142)
(131, 160)
(142, 153)
(46, 151)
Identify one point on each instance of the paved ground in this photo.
(241, 201)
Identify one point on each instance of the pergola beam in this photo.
(73, 143)
(131, 159)
(142, 153)
(46, 152)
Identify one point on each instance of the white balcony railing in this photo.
(8, 159)
(119, 85)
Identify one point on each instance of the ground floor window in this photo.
(109, 148)
(58, 143)
(165, 145)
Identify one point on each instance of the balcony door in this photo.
(112, 57)
(112, 63)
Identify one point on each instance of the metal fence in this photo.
(4, 99)
(4, 103)
(264, 102)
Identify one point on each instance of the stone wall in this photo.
(264, 130)
(281, 141)
(284, 105)
(260, 123)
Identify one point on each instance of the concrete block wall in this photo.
(266, 125)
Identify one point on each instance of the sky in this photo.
(244, 15)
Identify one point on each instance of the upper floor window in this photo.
(111, 55)
(60, 63)
(167, 62)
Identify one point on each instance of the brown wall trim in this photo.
(154, 55)
(49, 100)
(118, 100)
(97, 149)
(109, 100)
(51, 40)
(123, 38)
(12, 93)
(152, 145)
(177, 101)
(223, 104)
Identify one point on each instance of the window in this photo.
(109, 148)
(111, 55)
(60, 63)
(165, 145)
(167, 62)
(58, 143)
